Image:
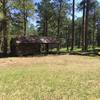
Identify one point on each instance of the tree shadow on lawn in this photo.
(91, 53)
(33, 55)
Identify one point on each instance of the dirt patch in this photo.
(62, 61)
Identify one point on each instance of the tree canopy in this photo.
(55, 18)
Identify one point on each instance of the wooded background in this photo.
(53, 18)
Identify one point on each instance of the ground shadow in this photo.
(33, 55)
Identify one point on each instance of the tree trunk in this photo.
(24, 17)
(46, 34)
(43, 28)
(94, 27)
(86, 25)
(58, 28)
(4, 26)
(46, 26)
(83, 26)
(67, 40)
(79, 41)
(58, 21)
(73, 27)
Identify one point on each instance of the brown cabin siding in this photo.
(31, 45)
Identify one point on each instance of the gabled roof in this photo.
(48, 40)
(36, 39)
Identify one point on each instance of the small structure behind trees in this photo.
(28, 45)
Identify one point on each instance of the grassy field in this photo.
(63, 77)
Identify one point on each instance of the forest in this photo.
(75, 24)
(49, 49)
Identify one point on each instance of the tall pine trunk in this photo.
(86, 25)
(58, 27)
(46, 26)
(24, 18)
(83, 26)
(58, 20)
(73, 27)
(43, 33)
(58, 24)
(94, 28)
(46, 33)
(4, 27)
(25, 24)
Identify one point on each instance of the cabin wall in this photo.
(27, 49)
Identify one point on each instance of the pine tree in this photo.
(73, 26)
(23, 9)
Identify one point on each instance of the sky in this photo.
(77, 14)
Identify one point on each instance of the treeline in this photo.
(57, 18)
(14, 15)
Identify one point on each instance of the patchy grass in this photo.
(50, 78)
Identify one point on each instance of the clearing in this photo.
(63, 77)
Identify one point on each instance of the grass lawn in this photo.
(63, 77)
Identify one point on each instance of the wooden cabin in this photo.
(29, 45)
(49, 43)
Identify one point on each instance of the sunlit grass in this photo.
(57, 78)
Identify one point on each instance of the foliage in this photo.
(22, 10)
(53, 18)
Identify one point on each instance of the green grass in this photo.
(51, 81)
(78, 49)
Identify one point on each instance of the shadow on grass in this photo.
(33, 55)
(90, 53)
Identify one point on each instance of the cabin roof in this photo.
(36, 39)
(48, 40)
